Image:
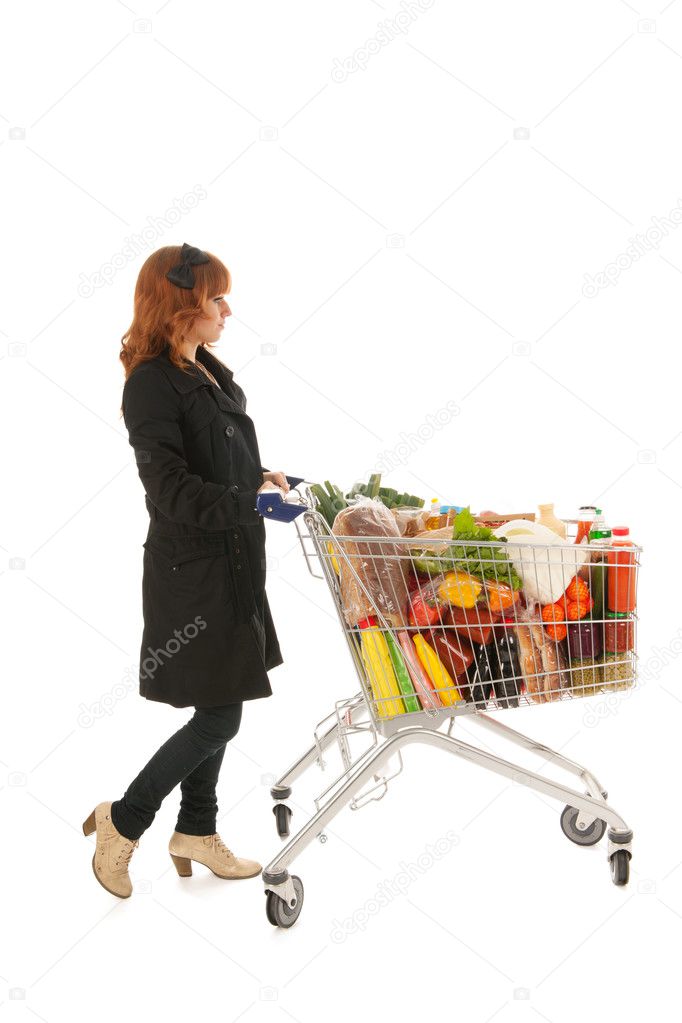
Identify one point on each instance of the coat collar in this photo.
(186, 382)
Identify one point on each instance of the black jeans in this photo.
(192, 757)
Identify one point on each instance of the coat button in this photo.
(239, 567)
(229, 430)
(235, 536)
(234, 488)
(236, 550)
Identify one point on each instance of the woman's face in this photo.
(210, 326)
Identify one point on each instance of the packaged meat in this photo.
(474, 623)
(453, 650)
(423, 686)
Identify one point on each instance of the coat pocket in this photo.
(192, 568)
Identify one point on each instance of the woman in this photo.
(208, 639)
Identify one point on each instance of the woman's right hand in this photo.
(270, 488)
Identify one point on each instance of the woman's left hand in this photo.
(278, 478)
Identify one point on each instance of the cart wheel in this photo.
(276, 909)
(588, 836)
(268, 908)
(620, 867)
(282, 814)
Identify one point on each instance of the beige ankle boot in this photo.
(212, 852)
(112, 853)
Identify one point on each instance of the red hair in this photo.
(163, 312)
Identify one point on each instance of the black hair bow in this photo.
(182, 274)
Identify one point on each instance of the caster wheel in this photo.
(588, 836)
(268, 908)
(276, 909)
(282, 814)
(620, 867)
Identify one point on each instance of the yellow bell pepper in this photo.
(380, 673)
(460, 589)
(447, 690)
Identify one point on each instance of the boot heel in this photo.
(89, 825)
(183, 865)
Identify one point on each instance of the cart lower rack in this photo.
(440, 627)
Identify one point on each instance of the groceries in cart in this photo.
(446, 609)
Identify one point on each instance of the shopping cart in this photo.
(436, 630)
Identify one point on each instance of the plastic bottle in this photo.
(434, 519)
(599, 538)
(587, 516)
(622, 572)
(549, 519)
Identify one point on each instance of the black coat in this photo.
(208, 637)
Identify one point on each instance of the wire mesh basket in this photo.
(439, 627)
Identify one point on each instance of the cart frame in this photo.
(586, 816)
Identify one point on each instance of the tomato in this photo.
(422, 612)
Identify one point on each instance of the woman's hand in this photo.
(278, 478)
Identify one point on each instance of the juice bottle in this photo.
(622, 572)
(434, 519)
(549, 519)
(587, 515)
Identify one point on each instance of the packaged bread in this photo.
(542, 660)
(410, 521)
(373, 574)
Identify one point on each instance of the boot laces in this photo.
(127, 851)
(221, 847)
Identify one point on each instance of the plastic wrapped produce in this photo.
(378, 566)
(545, 562)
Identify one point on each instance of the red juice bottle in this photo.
(622, 572)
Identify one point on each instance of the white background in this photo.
(415, 234)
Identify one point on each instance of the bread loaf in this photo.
(372, 573)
